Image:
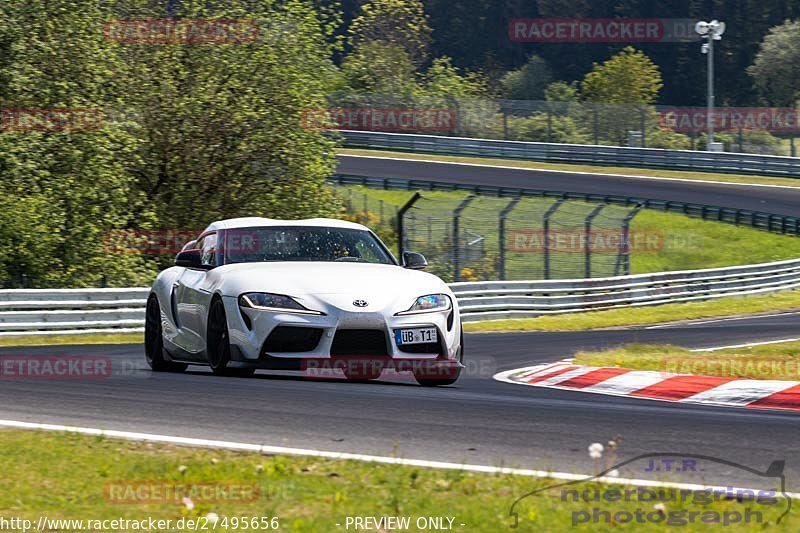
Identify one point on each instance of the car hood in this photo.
(336, 284)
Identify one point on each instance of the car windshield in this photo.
(303, 243)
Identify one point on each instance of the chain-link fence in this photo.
(769, 131)
(472, 237)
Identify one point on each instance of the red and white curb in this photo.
(664, 386)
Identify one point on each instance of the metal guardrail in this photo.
(59, 311)
(741, 217)
(492, 300)
(85, 311)
(724, 162)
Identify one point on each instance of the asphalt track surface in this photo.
(776, 200)
(477, 421)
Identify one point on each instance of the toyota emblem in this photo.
(360, 303)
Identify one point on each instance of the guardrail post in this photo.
(401, 244)
(546, 236)
(501, 236)
(587, 224)
(456, 244)
(624, 255)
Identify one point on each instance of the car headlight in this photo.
(429, 304)
(274, 302)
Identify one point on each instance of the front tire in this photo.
(218, 344)
(154, 340)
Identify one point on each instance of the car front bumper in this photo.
(248, 335)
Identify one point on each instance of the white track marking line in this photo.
(740, 392)
(628, 382)
(716, 320)
(577, 172)
(746, 345)
(279, 450)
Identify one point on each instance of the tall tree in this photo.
(379, 67)
(399, 22)
(776, 69)
(629, 77)
(529, 81)
(72, 183)
(222, 123)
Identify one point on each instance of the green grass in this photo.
(771, 361)
(642, 316)
(667, 241)
(48, 340)
(66, 475)
(595, 169)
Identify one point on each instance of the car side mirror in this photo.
(190, 259)
(414, 261)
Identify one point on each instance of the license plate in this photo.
(416, 336)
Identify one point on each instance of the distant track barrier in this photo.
(722, 162)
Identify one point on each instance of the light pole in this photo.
(710, 31)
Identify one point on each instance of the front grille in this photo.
(359, 342)
(287, 339)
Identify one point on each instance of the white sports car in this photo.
(319, 295)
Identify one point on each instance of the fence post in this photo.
(643, 124)
(501, 236)
(587, 224)
(401, 213)
(624, 256)
(546, 227)
(456, 244)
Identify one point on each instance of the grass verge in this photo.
(769, 361)
(48, 340)
(69, 476)
(595, 169)
(642, 316)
